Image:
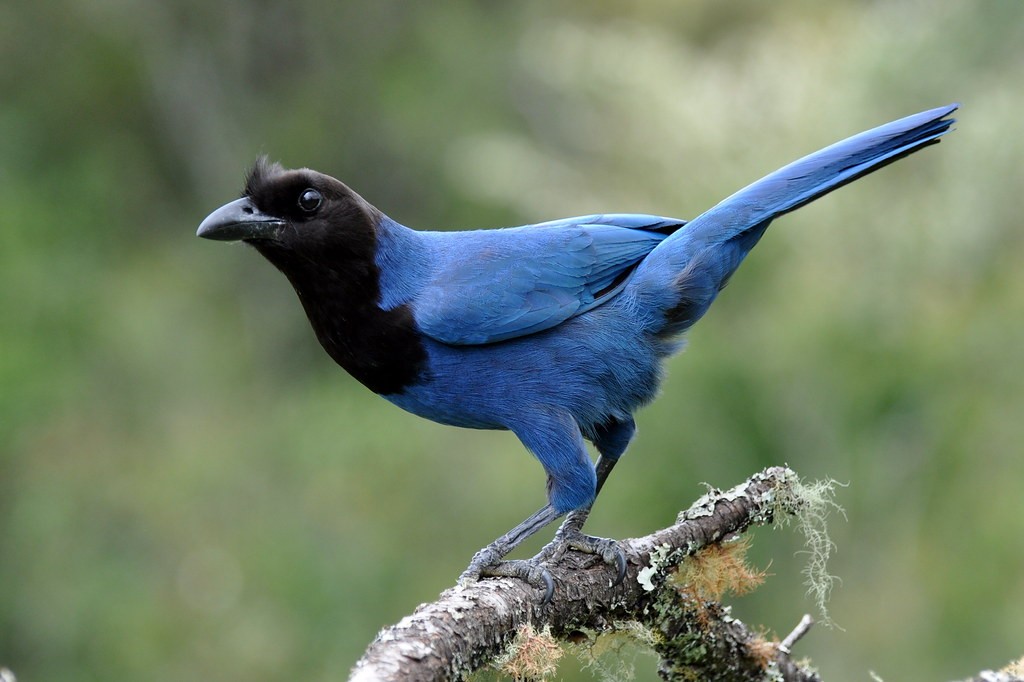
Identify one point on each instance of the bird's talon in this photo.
(620, 565)
(605, 549)
(529, 571)
(549, 588)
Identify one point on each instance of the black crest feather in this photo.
(260, 175)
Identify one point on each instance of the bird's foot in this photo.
(487, 563)
(569, 536)
(490, 562)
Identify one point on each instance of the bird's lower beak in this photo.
(239, 220)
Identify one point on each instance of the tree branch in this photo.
(469, 627)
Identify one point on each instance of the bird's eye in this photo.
(310, 200)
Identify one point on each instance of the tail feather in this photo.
(698, 260)
(844, 162)
(815, 175)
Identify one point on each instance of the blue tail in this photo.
(701, 257)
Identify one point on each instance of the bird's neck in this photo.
(341, 294)
(403, 261)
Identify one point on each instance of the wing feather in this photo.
(496, 285)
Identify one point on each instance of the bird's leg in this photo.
(489, 560)
(555, 438)
(611, 440)
(570, 534)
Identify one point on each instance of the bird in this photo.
(556, 331)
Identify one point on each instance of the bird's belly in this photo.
(593, 377)
(430, 405)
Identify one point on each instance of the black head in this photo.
(323, 237)
(296, 214)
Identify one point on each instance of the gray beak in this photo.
(239, 220)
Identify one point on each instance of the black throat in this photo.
(340, 292)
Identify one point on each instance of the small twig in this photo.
(798, 632)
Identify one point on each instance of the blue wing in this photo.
(495, 285)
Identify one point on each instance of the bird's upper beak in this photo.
(239, 220)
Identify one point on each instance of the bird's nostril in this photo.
(247, 209)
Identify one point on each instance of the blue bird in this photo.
(555, 331)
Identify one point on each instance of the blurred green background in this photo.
(190, 489)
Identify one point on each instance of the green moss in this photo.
(808, 506)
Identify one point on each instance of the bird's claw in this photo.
(620, 565)
(488, 562)
(526, 570)
(488, 565)
(606, 549)
(483, 559)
